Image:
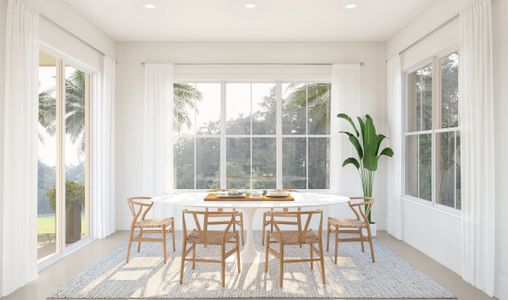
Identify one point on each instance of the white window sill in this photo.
(441, 209)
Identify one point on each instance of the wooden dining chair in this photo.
(361, 207)
(266, 220)
(201, 235)
(238, 219)
(303, 235)
(139, 207)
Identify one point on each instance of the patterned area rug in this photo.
(355, 276)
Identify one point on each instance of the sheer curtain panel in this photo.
(157, 130)
(19, 194)
(477, 117)
(394, 189)
(103, 159)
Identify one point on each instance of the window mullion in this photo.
(278, 132)
(223, 143)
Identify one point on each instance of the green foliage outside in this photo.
(263, 149)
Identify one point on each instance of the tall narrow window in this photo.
(75, 155)
(306, 135)
(432, 140)
(47, 157)
(63, 210)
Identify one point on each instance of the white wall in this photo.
(435, 233)
(3, 12)
(130, 95)
(64, 15)
(500, 37)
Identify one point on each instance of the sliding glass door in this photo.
(63, 206)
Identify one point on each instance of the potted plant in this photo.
(367, 143)
(74, 202)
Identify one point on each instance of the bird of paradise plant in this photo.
(367, 143)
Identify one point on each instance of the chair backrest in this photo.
(203, 220)
(302, 223)
(361, 207)
(139, 207)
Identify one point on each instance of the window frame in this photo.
(62, 61)
(435, 61)
(278, 133)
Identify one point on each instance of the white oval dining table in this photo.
(248, 208)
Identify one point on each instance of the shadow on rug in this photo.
(355, 276)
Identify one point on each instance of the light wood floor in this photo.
(58, 274)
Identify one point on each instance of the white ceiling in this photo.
(229, 20)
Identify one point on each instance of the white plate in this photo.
(278, 194)
(242, 195)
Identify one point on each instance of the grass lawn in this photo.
(46, 224)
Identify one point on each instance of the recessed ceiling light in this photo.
(351, 6)
(150, 6)
(250, 5)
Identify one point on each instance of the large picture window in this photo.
(432, 138)
(251, 135)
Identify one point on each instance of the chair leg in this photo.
(193, 256)
(281, 261)
(238, 261)
(322, 261)
(131, 237)
(140, 236)
(241, 227)
(182, 263)
(223, 265)
(164, 244)
(371, 245)
(263, 231)
(336, 243)
(174, 237)
(266, 252)
(311, 250)
(328, 239)
(361, 240)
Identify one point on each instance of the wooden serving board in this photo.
(213, 197)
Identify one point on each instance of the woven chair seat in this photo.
(150, 223)
(290, 237)
(211, 238)
(346, 222)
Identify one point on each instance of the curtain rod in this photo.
(253, 64)
(74, 35)
(428, 34)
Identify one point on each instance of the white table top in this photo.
(302, 199)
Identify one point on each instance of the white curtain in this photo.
(346, 98)
(477, 146)
(394, 178)
(19, 194)
(103, 159)
(157, 130)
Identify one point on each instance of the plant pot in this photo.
(373, 230)
(73, 223)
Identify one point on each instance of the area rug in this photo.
(355, 276)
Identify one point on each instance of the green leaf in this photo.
(387, 152)
(380, 138)
(356, 143)
(370, 139)
(351, 161)
(348, 118)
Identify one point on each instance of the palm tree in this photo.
(185, 97)
(318, 103)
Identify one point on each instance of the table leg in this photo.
(249, 253)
